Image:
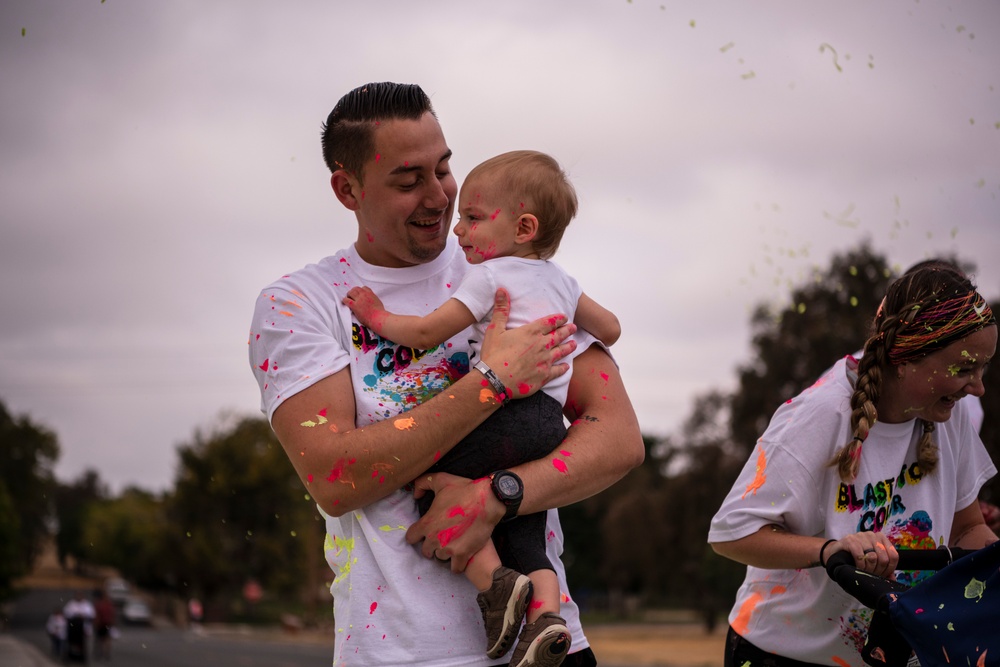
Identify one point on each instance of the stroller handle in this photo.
(909, 559)
(869, 589)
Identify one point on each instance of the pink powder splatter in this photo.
(523, 388)
(338, 470)
(372, 609)
(559, 465)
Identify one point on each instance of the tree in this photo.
(11, 565)
(826, 319)
(239, 512)
(28, 452)
(72, 502)
(129, 533)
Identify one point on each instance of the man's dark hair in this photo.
(348, 134)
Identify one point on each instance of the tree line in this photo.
(237, 512)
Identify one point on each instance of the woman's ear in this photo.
(347, 188)
(527, 228)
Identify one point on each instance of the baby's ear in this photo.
(527, 228)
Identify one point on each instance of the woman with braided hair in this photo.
(868, 460)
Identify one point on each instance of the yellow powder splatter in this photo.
(975, 589)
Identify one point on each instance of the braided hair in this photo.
(925, 310)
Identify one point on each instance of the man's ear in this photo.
(347, 188)
(527, 228)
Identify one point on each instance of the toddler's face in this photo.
(484, 229)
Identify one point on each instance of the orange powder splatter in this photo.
(760, 477)
(840, 661)
(404, 423)
(742, 621)
(485, 395)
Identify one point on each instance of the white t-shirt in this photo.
(537, 288)
(392, 606)
(803, 614)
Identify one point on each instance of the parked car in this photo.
(118, 590)
(136, 612)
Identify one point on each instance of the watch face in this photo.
(508, 486)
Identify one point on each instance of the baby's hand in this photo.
(364, 304)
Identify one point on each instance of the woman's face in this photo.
(929, 387)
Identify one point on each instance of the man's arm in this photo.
(421, 332)
(345, 467)
(604, 442)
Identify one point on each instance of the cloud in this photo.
(162, 164)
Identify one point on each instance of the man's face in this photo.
(407, 199)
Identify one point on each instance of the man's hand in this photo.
(366, 306)
(526, 357)
(459, 522)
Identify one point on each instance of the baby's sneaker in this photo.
(544, 643)
(503, 607)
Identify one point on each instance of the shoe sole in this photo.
(517, 607)
(538, 653)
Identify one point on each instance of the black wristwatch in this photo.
(509, 490)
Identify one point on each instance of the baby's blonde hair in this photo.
(531, 182)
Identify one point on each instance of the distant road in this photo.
(169, 647)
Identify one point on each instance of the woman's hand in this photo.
(872, 552)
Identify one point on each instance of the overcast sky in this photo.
(160, 164)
